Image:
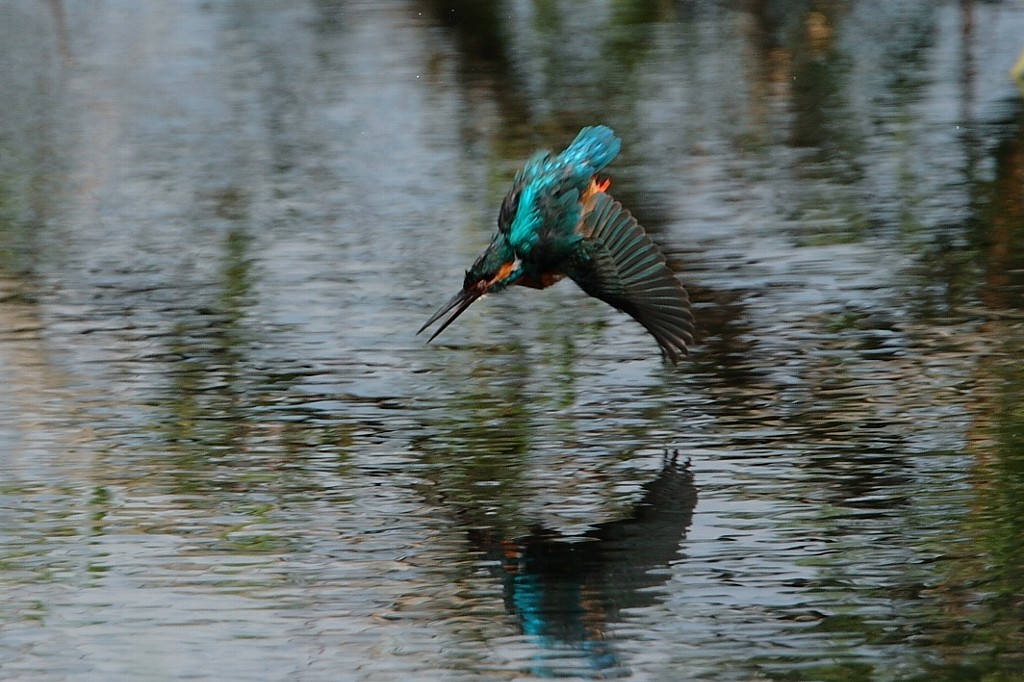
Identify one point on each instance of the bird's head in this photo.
(495, 269)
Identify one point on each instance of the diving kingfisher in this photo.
(559, 221)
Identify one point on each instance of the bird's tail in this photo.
(593, 149)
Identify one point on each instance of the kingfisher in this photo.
(558, 221)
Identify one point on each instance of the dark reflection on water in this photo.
(225, 455)
(566, 591)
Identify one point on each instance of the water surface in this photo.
(226, 455)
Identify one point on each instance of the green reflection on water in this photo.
(476, 453)
(980, 632)
(206, 401)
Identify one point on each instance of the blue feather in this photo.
(543, 206)
(593, 149)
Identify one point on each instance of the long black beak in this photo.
(459, 302)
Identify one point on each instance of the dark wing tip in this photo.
(624, 268)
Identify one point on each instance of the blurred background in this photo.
(224, 453)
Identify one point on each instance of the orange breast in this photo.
(543, 281)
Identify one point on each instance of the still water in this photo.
(226, 455)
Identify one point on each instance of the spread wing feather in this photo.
(620, 265)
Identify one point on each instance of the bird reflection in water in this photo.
(565, 592)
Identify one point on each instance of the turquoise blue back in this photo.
(593, 149)
(549, 188)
